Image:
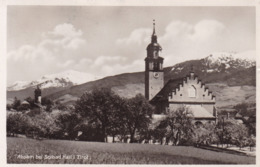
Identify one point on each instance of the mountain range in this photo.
(230, 76)
(63, 79)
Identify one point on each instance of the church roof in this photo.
(154, 45)
(199, 111)
(171, 86)
(163, 94)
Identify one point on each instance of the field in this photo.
(23, 150)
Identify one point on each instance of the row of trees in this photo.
(17, 104)
(41, 125)
(115, 116)
(102, 113)
(97, 114)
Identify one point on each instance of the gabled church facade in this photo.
(187, 91)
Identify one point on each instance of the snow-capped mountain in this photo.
(63, 79)
(223, 61)
(231, 60)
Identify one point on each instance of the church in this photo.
(187, 91)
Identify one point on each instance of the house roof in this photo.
(199, 112)
(238, 116)
(25, 103)
(156, 119)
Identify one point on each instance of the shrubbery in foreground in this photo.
(102, 113)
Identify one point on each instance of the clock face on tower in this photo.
(156, 75)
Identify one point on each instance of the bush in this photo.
(232, 132)
(8, 107)
(17, 123)
(44, 125)
(16, 103)
(205, 135)
(177, 126)
(67, 121)
(90, 132)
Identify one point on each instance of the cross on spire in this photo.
(154, 27)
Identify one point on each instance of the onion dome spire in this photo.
(154, 36)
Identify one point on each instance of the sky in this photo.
(105, 41)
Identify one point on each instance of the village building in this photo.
(187, 91)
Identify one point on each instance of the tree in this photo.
(239, 134)
(178, 125)
(45, 101)
(67, 122)
(44, 125)
(8, 107)
(232, 132)
(159, 133)
(48, 103)
(244, 109)
(98, 107)
(90, 132)
(23, 107)
(30, 101)
(251, 141)
(116, 126)
(205, 134)
(137, 114)
(16, 103)
(17, 123)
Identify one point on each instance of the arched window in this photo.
(150, 66)
(161, 67)
(155, 54)
(192, 91)
(156, 66)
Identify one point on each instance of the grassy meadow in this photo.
(24, 150)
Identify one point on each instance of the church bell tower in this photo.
(38, 95)
(154, 75)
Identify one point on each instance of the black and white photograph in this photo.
(93, 84)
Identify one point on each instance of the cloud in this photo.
(57, 50)
(66, 64)
(133, 47)
(137, 37)
(64, 30)
(64, 48)
(108, 60)
(208, 29)
(118, 68)
(185, 41)
(180, 41)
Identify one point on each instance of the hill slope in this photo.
(231, 79)
(230, 85)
